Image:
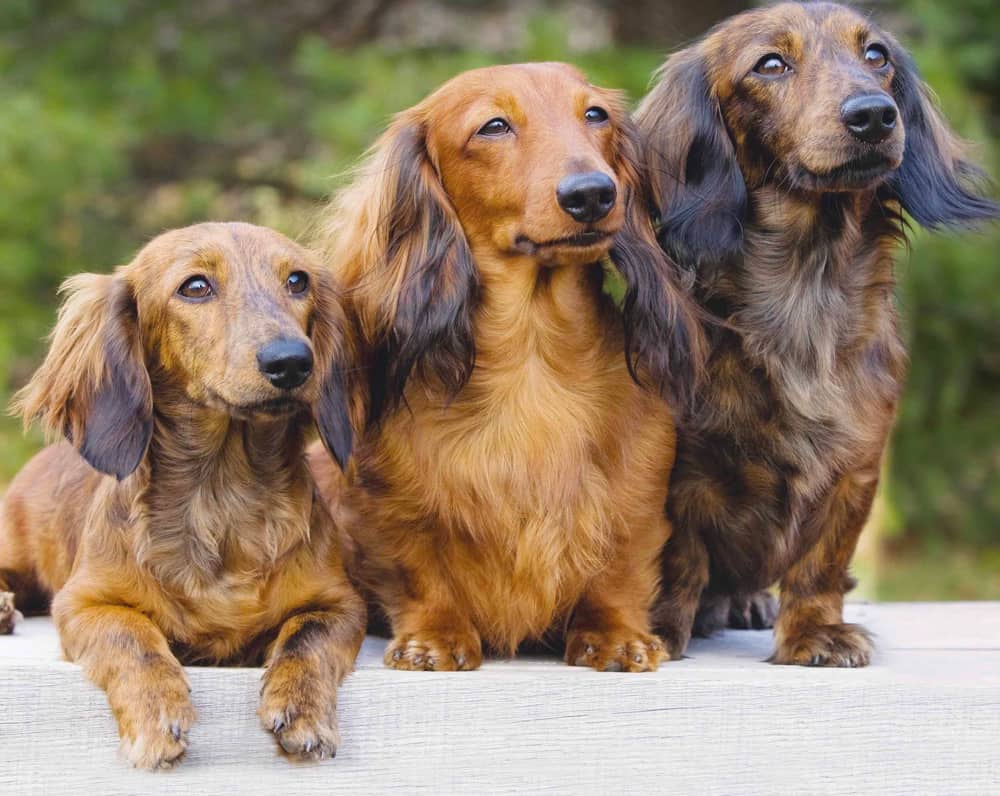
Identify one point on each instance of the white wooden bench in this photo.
(924, 718)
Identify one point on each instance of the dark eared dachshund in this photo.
(786, 147)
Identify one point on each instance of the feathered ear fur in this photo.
(397, 245)
(93, 386)
(337, 404)
(697, 183)
(663, 336)
(934, 183)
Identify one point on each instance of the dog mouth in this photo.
(857, 173)
(582, 240)
(267, 408)
(274, 406)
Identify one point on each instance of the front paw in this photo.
(300, 708)
(9, 615)
(755, 611)
(435, 651)
(842, 645)
(616, 650)
(153, 721)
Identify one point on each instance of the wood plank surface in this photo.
(924, 718)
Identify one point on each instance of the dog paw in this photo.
(154, 724)
(712, 615)
(300, 709)
(842, 645)
(617, 650)
(755, 611)
(9, 615)
(434, 651)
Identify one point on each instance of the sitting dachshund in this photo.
(178, 523)
(786, 146)
(511, 481)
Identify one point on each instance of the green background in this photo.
(121, 119)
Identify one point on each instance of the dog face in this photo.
(228, 309)
(808, 98)
(528, 157)
(211, 321)
(809, 90)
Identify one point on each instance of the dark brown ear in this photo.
(334, 354)
(697, 183)
(431, 329)
(663, 336)
(406, 265)
(93, 386)
(935, 183)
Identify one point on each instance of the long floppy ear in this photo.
(697, 182)
(93, 386)
(663, 335)
(935, 184)
(339, 408)
(399, 248)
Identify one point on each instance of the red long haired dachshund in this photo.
(192, 376)
(785, 145)
(511, 482)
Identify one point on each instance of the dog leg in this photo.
(684, 576)
(124, 653)
(313, 653)
(609, 629)
(431, 631)
(810, 629)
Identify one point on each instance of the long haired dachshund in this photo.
(192, 376)
(786, 145)
(511, 482)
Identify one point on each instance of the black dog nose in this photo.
(870, 117)
(285, 363)
(587, 197)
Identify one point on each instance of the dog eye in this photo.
(496, 126)
(595, 115)
(298, 282)
(771, 65)
(197, 287)
(876, 56)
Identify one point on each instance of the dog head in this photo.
(812, 98)
(228, 318)
(530, 157)
(504, 164)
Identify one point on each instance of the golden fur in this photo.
(208, 545)
(511, 481)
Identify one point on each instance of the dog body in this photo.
(513, 484)
(787, 142)
(208, 545)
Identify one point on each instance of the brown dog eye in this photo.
(771, 65)
(298, 282)
(496, 126)
(197, 287)
(595, 115)
(876, 56)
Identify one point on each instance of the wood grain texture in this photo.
(925, 718)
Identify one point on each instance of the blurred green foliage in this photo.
(944, 486)
(125, 117)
